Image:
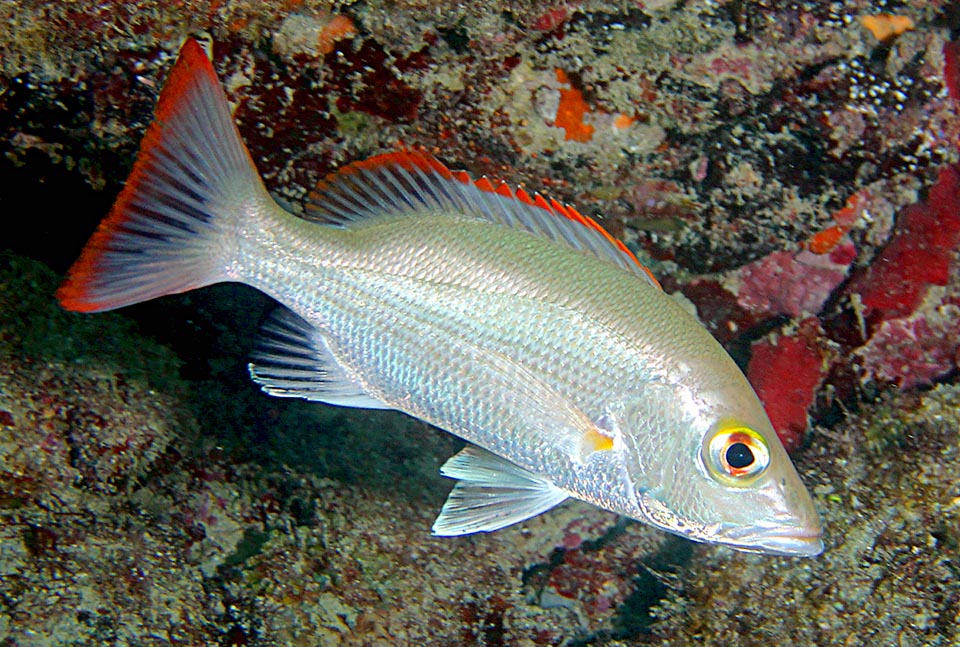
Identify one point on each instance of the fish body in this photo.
(509, 320)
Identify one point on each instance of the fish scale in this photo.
(547, 336)
(501, 316)
(581, 347)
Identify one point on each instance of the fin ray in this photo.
(491, 493)
(292, 361)
(408, 182)
(161, 236)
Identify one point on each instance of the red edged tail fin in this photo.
(192, 179)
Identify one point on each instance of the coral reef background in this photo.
(789, 169)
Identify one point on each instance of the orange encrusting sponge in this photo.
(571, 111)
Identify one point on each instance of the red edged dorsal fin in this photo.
(412, 183)
(484, 185)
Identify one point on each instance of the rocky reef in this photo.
(789, 169)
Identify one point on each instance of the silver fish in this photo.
(502, 317)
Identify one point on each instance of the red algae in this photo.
(572, 110)
(793, 283)
(845, 219)
(340, 27)
(786, 371)
(918, 255)
(551, 19)
(951, 70)
(720, 309)
(916, 350)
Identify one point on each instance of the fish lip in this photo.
(790, 541)
(792, 545)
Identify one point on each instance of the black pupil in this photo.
(739, 456)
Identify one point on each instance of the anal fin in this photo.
(491, 493)
(292, 361)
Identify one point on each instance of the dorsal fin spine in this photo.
(349, 198)
(402, 190)
(447, 198)
(383, 198)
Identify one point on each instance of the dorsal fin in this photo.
(409, 182)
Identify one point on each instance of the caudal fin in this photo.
(169, 230)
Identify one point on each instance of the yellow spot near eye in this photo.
(884, 26)
(595, 441)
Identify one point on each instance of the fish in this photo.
(504, 317)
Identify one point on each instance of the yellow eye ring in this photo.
(736, 455)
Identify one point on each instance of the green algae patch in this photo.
(33, 326)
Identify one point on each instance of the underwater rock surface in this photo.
(791, 168)
(130, 517)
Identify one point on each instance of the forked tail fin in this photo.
(171, 228)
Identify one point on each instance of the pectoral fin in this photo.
(491, 493)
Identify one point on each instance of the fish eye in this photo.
(736, 455)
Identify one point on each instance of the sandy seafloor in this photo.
(151, 495)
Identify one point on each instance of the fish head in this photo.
(718, 473)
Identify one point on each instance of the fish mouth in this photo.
(790, 541)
